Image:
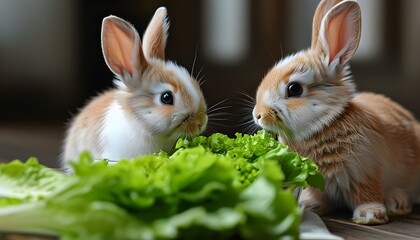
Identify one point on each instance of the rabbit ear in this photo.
(339, 32)
(154, 39)
(323, 7)
(121, 47)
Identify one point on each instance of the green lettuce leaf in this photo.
(26, 182)
(299, 171)
(248, 152)
(211, 188)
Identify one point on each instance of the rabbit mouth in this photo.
(273, 122)
(193, 124)
(270, 119)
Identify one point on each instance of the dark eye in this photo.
(294, 90)
(167, 98)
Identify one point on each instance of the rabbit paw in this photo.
(370, 214)
(397, 204)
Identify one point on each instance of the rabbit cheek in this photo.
(162, 117)
(156, 120)
(293, 104)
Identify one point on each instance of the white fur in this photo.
(144, 125)
(370, 210)
(304, 77)
(282, 92)
(287, 60)
(123, 137)
(120, 84)
(186, 79)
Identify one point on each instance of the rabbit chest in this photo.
(343, 151)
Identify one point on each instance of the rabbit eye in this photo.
(167, 98)
(294, 90)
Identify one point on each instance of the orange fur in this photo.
(274, 77)
(295, 103)
(87, 126)
(366, 146)
(373, 144)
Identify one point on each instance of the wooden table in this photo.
(406, 227)
(401, 228)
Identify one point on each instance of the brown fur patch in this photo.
(86, 127)
(371, 190)
(275, 76)
(337, 140)
(377, 135)
(96, 108)
(295, 103)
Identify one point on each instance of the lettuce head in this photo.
(212, 187)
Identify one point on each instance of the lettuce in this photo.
(211, 187)
(249, 152)
(26, 182)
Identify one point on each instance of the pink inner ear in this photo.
(338, 33)
(119, 45)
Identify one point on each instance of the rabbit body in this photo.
(366, 146)
(369, 157)
(154, 103)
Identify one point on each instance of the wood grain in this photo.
(403, 227)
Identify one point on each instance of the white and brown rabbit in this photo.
(366, 146)
(154, 103)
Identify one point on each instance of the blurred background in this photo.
(51, 61)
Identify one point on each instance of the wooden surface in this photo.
(406, 227)
(44, 141)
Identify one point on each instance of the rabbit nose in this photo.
(259, 116)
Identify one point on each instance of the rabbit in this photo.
(154, 103)
(366, 146)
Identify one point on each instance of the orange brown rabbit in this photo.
(366, 146)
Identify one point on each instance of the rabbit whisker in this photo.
(220, 114)
(247, 95)
(198, 74)
(201, 81)
(215, 110)
(195, 58)
(217, 104)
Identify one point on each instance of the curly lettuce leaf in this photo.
(191, 194)
(299, 171)
(26, 182)
(243, 145)
(248, 153)
(212, 187)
